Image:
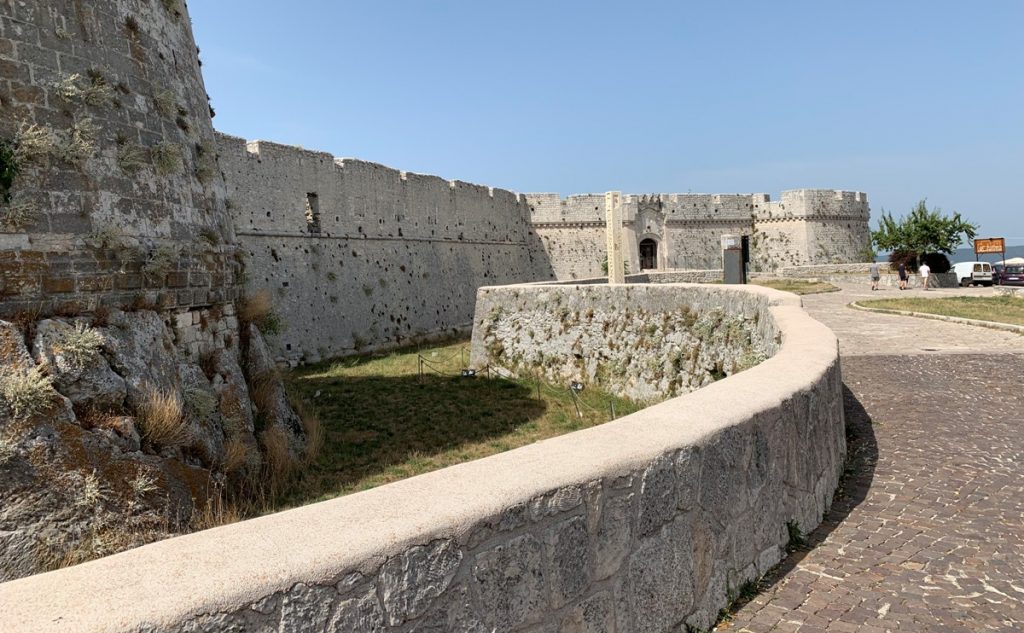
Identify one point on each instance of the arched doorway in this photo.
(648, 254)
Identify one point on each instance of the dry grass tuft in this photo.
(166, 103)
(81, 141)
(312, 428)
(20, 214)
(264, 391)
(80, 344)
(278, 460)
(131, 157)
(236, 456)
(167, 158)
(254, 308)
(161, 419)
(34, 144)
(27, 394)
(217, 511)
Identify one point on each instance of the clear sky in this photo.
(903, 100)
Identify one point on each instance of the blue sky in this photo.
(903, 100)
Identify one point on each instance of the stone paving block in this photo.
(926, 534)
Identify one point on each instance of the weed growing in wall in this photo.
(93, 91)
(173, 7)
(20, 214)
(106, 235)
(167, 158)
(161, 261)
(210, 235)
(27, 394)
(256, 310)
(166, 103)
(34, 145)
(80, 344)
(81, 142)
(206, 162)
(131, 157)
(131, 25)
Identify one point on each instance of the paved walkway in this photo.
(927, 533)
(861, 332)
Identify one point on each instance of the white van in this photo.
(973, 273)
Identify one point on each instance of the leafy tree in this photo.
(922, 231)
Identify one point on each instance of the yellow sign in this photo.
(990, 245)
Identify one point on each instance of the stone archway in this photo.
(648, 254)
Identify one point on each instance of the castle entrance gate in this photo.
(648, 254)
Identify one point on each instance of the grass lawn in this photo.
(382, 422)
(1005, 309)
(796, 286)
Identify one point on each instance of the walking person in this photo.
(902, 270)
(925, 271)
(875, 276)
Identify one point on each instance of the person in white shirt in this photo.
(924, 270)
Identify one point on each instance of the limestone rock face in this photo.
(205, 424)
(269, 396)
(77, 478)
(13, 355)
(76, 363)
(141, 350)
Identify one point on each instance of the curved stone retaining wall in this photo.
(648, 342)
(647, 523)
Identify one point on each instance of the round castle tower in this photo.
(110, 191)
(124, 368)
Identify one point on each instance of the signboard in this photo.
(990, 245)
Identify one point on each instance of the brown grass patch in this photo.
(277, 457)
(264, 389)
(255, 308)
(161, 419)
(236, 456)
(312, 428)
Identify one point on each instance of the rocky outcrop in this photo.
(70, 353)
(269, 396)
(82, 471)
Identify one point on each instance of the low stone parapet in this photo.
(651, 522)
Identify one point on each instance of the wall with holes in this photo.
(116, 198)
(812, 227)
(805, 226)
(359, 256)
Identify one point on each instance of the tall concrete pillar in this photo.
(613, 229)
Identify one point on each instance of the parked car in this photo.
(1008, 274)
(973, 273)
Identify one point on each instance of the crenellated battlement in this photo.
(802, 226)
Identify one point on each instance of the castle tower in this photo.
(110, 191)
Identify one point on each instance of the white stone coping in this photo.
(992, 325)
(166, 583)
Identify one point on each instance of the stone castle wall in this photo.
(647, 523)
(118, 272)
(358, 255)
(803, 227)
(116, 195)
(811, 227)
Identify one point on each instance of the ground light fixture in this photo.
(469, 373)
(575, 386)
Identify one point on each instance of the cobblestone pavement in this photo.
(927, 533)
